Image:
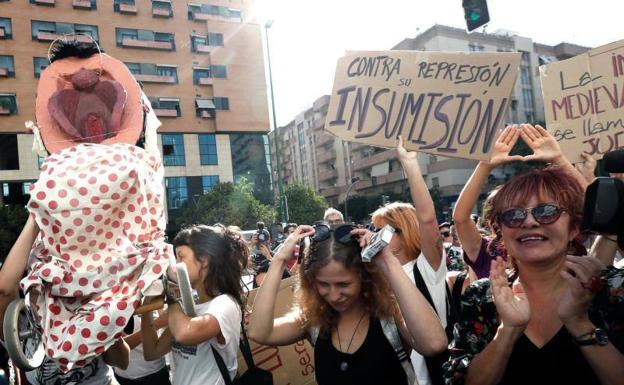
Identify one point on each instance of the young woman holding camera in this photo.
(348, 309)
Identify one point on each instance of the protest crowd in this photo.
(517, 294)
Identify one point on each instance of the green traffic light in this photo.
(475, 15)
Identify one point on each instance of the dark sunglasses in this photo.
(446, 233)
(544, 214)
(342, 233)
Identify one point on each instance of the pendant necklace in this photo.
(344, 365)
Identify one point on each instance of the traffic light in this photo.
(476, 13)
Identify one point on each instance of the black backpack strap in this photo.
(246, 349)
(224, 372)
(455, 296)
(422, 286)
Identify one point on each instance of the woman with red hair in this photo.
(558, 319)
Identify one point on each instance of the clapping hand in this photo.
(511, 302)
(582, 276)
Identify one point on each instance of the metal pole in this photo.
(280, 183)
(347, 199)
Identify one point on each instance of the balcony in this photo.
(5, 111)
(330, 191)
(148, 44)
(128, 8)
(2, 33)
(325, 139)
(45, 2)
(82, 4)
(155, 79)
(4, 72)
(206, 81)
(161, 12)
(318, 124)
(198, 16)
(326, 157)
(375, 159)
(327, 175)
(202, 48)
(166, 113)
(51, 36)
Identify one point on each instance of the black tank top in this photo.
(374, 363)
(560, 361)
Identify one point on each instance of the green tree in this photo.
(12, 219)
(304, 205)
(229, 204)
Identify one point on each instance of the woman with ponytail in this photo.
(215, 257)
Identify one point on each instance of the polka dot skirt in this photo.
(101, 249)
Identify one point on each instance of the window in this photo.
(208, 182)
(221, 103)
(166, 104)
(173, 149)
(167, 70)
(251, 159)
(39, 64)
(208, 150)
(214, 10)
(215, 38)
(6, 31)
(49, 4)
(134, 68)
(90, 30)
(9, 157)
(162, 8)
(7, 66)
(8, 104)
(39, 27)
(177, 192)
(118, 3)
(144, 35)
(86, 4)
(218, 71)
(527, 96)
(435, 182)
(198, 43)
(199, 73)
(205, 108)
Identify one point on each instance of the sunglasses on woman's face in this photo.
(544, 214)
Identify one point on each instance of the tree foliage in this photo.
(12, 220)
(229, 204)
(304, 205)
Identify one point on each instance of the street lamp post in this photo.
(280, 183)
(354, 180)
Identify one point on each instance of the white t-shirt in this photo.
(138, 367)
(196, 365)
(436, 284)
(96, 372)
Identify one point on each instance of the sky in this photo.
(308, 36)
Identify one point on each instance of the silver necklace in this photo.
(344, 365)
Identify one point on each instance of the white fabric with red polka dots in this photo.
(101, 246)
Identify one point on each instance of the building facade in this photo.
(201, 64)
(336, 168)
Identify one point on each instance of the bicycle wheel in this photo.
(22, 337)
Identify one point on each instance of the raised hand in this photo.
(544, 145)
(404, 155)
(587, 167)
(582, 276)
(511, 304)
(285, 252)
(504, 144)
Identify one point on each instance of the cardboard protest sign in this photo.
(292, 364)
(449, 104)
(583, 100)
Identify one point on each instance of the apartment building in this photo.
(201, 64)
(334, 167)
